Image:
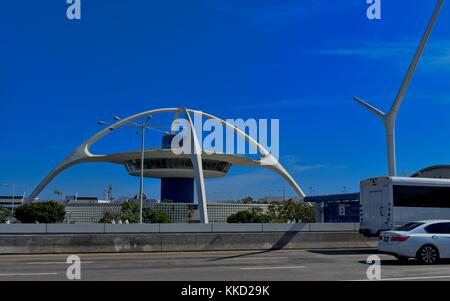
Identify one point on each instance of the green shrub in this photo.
(284, 212)
(4, 215)
(109, 217)
(43, 212)
(130, 211)
(253, 215)
(155, 216)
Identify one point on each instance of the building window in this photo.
(341, 209)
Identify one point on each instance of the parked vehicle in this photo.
(388, 202)
(427, 241)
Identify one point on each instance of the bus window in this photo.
(421, 196)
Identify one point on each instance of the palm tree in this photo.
(57, 192)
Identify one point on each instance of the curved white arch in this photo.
(197, 165)
(83, 154)
(270, 161)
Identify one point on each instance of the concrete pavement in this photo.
(290, 265)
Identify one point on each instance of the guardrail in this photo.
(173, 228)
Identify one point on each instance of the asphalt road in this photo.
(233, 265)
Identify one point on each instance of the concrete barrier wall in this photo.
(237, 227)
(132, 228)
(327, 227)
(179, 228)
(22, 228)
(75, 228)
(173, 228)
(287, 227)
(159, 242)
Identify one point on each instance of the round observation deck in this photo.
(176, 168)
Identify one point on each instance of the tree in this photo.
(130, 211)
(109, 217)
(308, 213)
(254, 215)
(246, 216)
(190, 214)
(247, 200)
(43, 212)
(4, 215)
(292, 212)
(155, 216)
(58, 193)
(284, 212)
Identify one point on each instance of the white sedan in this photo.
(428, 241)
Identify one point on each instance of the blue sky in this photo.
(299, 61)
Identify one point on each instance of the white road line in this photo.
(55, 262)
(28, 274)
(257, 258)
(406, 278)
(273, 268)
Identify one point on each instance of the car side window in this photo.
(446, 228)
(440, 228)
(431, 229)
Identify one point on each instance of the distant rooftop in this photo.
(354, 196)
(436, 171)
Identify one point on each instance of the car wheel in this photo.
(428, 254)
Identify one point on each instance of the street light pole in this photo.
(13, 199)
(141, 188)
(142, 126)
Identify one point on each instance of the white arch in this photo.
(271, 162)
(196, 158)
(83, 154)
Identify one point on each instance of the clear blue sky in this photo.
(299, 61)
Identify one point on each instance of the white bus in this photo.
(387, 202)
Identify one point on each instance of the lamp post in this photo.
(141, 126)
(13, 186)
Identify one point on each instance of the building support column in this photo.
(196, 158)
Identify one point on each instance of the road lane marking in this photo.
(55, 262)
(406, 278)
(258, 258)
(273, 268)
(28, 274)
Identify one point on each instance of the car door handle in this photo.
(434, 237)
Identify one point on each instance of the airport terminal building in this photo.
(178, 212)
(179, 172)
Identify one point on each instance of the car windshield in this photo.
(408, 227)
